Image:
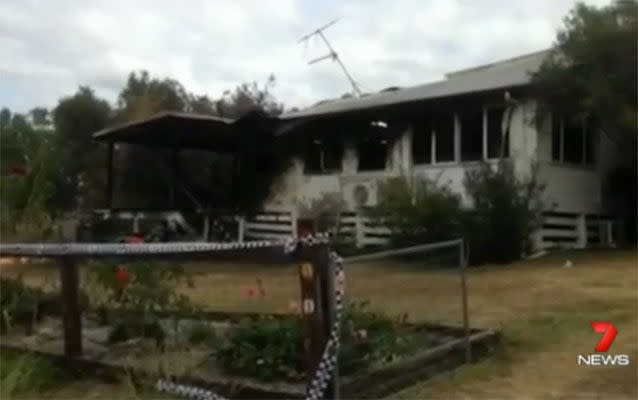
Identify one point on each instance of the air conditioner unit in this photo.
(363, 194)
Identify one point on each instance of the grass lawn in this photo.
(543, 308)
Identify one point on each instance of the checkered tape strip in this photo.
(328, 360)
(96, 249)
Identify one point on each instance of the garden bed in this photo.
(373, 365)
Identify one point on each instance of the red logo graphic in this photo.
(609, 334)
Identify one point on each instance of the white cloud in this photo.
(48, 48)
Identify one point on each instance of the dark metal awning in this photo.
(175, 130)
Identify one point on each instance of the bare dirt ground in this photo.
(543, 308)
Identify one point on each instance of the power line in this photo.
(332, 53)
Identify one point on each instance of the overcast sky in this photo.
(49, 48)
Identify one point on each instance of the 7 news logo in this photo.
(609, 334)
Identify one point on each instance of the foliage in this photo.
(5, 117)
(270, 349)
(266, 349)
(40, 116)
(151, 287)
(147, 288)
(366, 336)
(506, 211)
(201, 333)
(27, 374)
(325, 212)
(592, 71)
(26, 198)
(129, 328)
(247, 98)
(75, 119)
(427, 212)
(19, 304)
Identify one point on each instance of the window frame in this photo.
(322, 160)
(431, 132)
(386, 142)
(486, 140)
(584, 133)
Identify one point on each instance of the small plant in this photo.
(201, 333)
(324, 212)
(129, 328)
(419, 213)
(266, 349)
(26, 374)
(141, 288)
(366, 337)
(506, 210)
(269, 349)
(19, 304)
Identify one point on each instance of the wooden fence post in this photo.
(315, 308)
(72, 318)
(69, 282)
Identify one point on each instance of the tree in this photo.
(28, 173)
(75, 119)
(5, 117)
(39, 116)
(249, 97)
(592, 71)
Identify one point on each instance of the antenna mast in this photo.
(331, 55)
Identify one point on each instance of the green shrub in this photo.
(201, 333)
(129, 328)
(150, 290)
(506, 211)
(19, 304)
(151, 287)
(422, 213)
(265, 349)
(27, 374)
(270, 349)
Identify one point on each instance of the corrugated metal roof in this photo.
(504, 74)
(173, 129)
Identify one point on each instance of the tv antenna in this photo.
(331, 55)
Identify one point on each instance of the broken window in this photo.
(573, 141)
(495, 138)
(373, 153)
(422, 143)
(444, 138)
(472, 135)
(323, 155)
